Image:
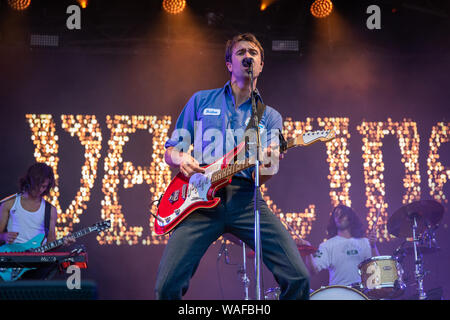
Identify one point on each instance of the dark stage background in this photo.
(128, 62)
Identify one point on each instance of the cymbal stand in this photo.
(429, 238)
(243, 272)
(418, 261)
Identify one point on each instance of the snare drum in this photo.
(337, 293)
(381, 277)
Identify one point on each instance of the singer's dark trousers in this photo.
(234, 214)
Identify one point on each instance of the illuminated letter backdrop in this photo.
(408, 139)
(43, 135)
(337, 157)
(157, 175)
(438, 175)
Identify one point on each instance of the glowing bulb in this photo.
(321, 8)
(174, 6)
(19, 5)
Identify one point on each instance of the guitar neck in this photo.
(232, 169)
(291, 143)
(301, 140)
(57, 243)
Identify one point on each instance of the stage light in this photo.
(174, 6)
(83, 3)
(321, 8)
(19, 5)
(285, 45)
(265, 4)
(43, 40)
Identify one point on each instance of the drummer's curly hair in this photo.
(356, 226)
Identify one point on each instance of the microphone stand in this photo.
(256, 195)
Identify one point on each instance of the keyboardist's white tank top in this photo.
(27, 224)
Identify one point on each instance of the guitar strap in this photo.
(47, 218)
(260, 108)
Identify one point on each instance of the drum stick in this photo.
(376, 220)
(292, 230)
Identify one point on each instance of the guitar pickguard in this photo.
(195, 191)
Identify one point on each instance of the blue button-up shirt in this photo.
(212, 123)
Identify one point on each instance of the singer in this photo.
(214, 121)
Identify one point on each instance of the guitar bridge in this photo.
(174, 196)
(184, 191)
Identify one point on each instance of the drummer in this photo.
(344, 250)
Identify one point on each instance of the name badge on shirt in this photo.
(211, 112)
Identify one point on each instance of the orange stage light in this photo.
(321, 8)
(174, 6)
(83, 3)
(19, 5)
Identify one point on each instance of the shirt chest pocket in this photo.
(211, 119)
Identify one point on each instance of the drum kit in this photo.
(382, 277)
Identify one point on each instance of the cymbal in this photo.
(428, 213)
(306, 250)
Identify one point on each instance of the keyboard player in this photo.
(27, 214)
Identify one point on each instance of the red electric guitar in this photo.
(185, 195)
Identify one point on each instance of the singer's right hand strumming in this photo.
(182, 160)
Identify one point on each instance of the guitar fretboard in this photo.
(60, 242)
(303, 139)
(230, 170)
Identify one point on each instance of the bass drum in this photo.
(337, 293)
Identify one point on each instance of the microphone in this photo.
(247, 62)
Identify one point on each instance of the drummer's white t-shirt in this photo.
(341, 256)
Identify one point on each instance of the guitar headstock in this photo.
(102, 225)
(311, 137)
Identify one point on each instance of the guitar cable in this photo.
(151, 204)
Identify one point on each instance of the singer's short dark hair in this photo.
(35, 176)
(242, 37)
(356, 226)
